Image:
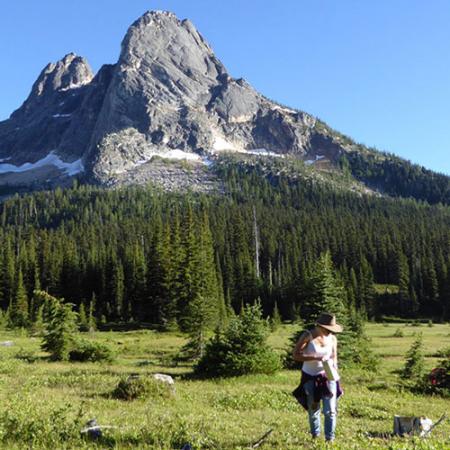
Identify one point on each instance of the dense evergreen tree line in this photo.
(397, 177)
(184, 260)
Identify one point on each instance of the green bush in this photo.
(43, 426)
(61, 338)
(275, 320)
(398, 333)
(26, 355)
(288, 359)
(241, 348)
(90, 351)
(357, 350)
(140, 387)
(443, 353)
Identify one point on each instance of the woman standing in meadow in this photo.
(317, 349)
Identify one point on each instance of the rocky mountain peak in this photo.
(167, 96)
(70, 72)
(159, 43)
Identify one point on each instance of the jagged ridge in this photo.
(167, 95)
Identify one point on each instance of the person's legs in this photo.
(313, 409)
(329, 410)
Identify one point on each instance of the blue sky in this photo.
(376, 71)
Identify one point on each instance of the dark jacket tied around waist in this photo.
(321, 389)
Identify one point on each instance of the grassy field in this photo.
(45, 404)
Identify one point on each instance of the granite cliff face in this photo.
(168, 96)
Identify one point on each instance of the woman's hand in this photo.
(321, 358)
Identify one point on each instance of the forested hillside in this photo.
(139, 254)
(397, 177)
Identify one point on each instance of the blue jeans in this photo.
(329, 410)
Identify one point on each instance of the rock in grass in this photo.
(164, 378)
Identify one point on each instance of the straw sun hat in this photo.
(328, 321)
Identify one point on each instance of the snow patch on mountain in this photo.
(262, 152)
(221, 144)
(70, 168)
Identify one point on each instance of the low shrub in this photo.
(40, 427)
(26, 355)
(398, 333)
(443, 353)
(140, 387)
(84, 351)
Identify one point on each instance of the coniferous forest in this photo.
(143, 255)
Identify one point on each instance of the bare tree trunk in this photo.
(256, 234)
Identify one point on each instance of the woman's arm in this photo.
(334, 353)
(299, 354)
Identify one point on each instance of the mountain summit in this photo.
(167, 97)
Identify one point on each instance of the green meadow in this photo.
(46, 404)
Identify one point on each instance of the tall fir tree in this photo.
(157, 278)
(19, 307)
(8, 274)
(115, 287)
(201, 316)
(402, 279)
(188, 280)
(323, 292)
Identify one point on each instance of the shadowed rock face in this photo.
(167, 91)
